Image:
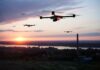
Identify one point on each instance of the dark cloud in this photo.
(11, 30)
(71, 35)
(98, 29)
(2, 38)
(13, 9)
(91, 34)
(60, 35)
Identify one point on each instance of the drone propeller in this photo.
(52, 12)
(40, 17)
(74, 15)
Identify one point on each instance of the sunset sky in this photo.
(15, 13)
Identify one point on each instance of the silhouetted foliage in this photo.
(52, 54)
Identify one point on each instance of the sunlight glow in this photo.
(20, 39)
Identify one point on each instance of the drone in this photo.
(55, 17)
(28, 25)
(67, 31)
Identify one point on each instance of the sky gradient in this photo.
(15, 13)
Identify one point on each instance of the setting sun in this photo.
(20, 39)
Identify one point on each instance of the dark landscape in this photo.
(55, 43)
(51, 58)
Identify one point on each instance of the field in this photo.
(48, 65)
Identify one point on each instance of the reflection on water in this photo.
(58, 47)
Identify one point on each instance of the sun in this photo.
(20, 39)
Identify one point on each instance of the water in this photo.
(58, 47)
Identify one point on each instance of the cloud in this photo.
(11, 30)
(98, 29)
(38, 31)
(91, 34)
(56, 36)
(70, 35)
(12, 9)
(79, 28)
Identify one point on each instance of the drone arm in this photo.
(44, 17)
(68, 16)
(73, 15)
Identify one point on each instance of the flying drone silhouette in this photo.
(55, 17)
(28, 25)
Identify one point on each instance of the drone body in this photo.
(68, 31)
(28, 25)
